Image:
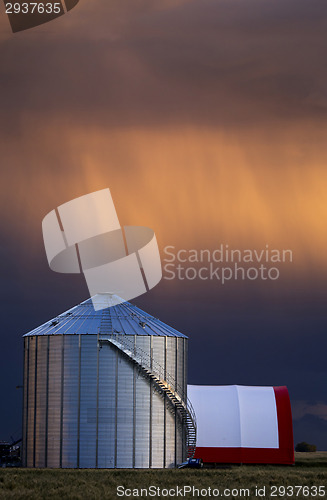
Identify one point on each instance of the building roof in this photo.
(122, 318)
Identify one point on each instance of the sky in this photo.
(207, 121)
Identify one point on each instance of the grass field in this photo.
(34, 484)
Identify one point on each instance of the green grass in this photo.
(35, 484)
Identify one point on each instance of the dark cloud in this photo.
(197, 62)
(312, 430)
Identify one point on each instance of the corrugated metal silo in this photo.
(106, 389)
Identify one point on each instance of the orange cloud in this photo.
(194, 187)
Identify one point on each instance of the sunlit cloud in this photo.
(195, 187)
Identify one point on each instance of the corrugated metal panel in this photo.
(88, 404)
(25, 400)
(106, 421)
(142, 422)
(158, 353)
(180, 454)
(125, 414)
(54, 401)
(143, 343)
(170, 437)
(41, 401)
(31, 403)
(171, 357)
(157, 430)
(185, 366)
(70, 401)
(180, 367)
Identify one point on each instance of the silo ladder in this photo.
(145, 364)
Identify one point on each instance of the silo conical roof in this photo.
(124, 318)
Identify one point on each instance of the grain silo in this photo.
(106, 389)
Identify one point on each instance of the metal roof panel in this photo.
(123, 318)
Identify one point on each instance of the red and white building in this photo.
(238, 424)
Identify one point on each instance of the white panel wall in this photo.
(217, 415)
(235, 416)
(259, 425)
